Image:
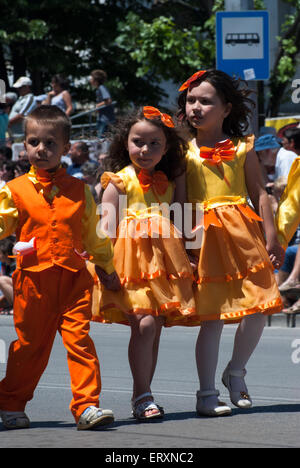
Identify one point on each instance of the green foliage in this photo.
(159, 48)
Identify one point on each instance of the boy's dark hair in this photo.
(100, 76)
(51, 115)
(229, 90)
(173, 161)
(293, 134)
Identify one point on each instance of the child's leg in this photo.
(247, 338)
(207, 353)
(36, 325)
(75, 291)
(143, 351)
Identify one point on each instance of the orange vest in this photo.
(56, 225)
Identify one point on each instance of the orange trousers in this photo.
(45, 302)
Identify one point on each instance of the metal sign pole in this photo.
(244, 5)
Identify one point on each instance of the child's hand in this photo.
(194, 261)
(276, 253)
(111, 282)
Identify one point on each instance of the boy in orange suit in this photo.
(52, 287)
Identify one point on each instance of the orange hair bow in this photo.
(193, 78)
(151, 113)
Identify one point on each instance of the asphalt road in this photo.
(273, 380)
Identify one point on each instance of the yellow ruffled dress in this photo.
(149, 257)
(288, 213)
(235, 275)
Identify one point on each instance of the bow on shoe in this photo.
(152, 113)
(158, 181)
(193, 78)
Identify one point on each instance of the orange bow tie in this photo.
(50, 181)
(151, 113)
(159, 181)
(224, 151)
(193, 78)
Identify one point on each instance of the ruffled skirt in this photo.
(155, 274)
(235, 275)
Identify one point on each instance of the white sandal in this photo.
(139, 410)
(221, 410)
(14, 419)
(239, 399)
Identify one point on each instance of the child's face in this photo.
(146, 145)
(45, 145)
(204, 108)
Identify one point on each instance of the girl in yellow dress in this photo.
(147, 157)
(235, 272)
(288, 212)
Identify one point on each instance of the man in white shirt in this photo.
(22, 107)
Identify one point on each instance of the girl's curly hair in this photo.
(173, 161)
(229, 90)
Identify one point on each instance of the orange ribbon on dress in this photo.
(210, 217)
(223, 151)
(158, 181)
(152, 113)
(193, 78)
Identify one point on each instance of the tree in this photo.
(286, 61)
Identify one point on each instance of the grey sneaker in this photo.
(14, 419)
(93, 417)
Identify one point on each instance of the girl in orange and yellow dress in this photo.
(147, 158)
(235, 263)
(288, 212)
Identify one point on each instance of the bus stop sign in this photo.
(242, 47)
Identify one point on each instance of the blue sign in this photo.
(243, 44)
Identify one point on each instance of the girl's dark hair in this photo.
(229, 90)
(173, 161)
(61, 80)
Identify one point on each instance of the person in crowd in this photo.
(89, 171)
(5, 153)
(22, 107)
(8, 266)
(3, 122)
(79, 154)
(235, 283)
(106, 114)
(147, 157)
(287, 222)
(21, 167)
(267, 147)
(60, 96)
(54, 217)
(7, 172)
